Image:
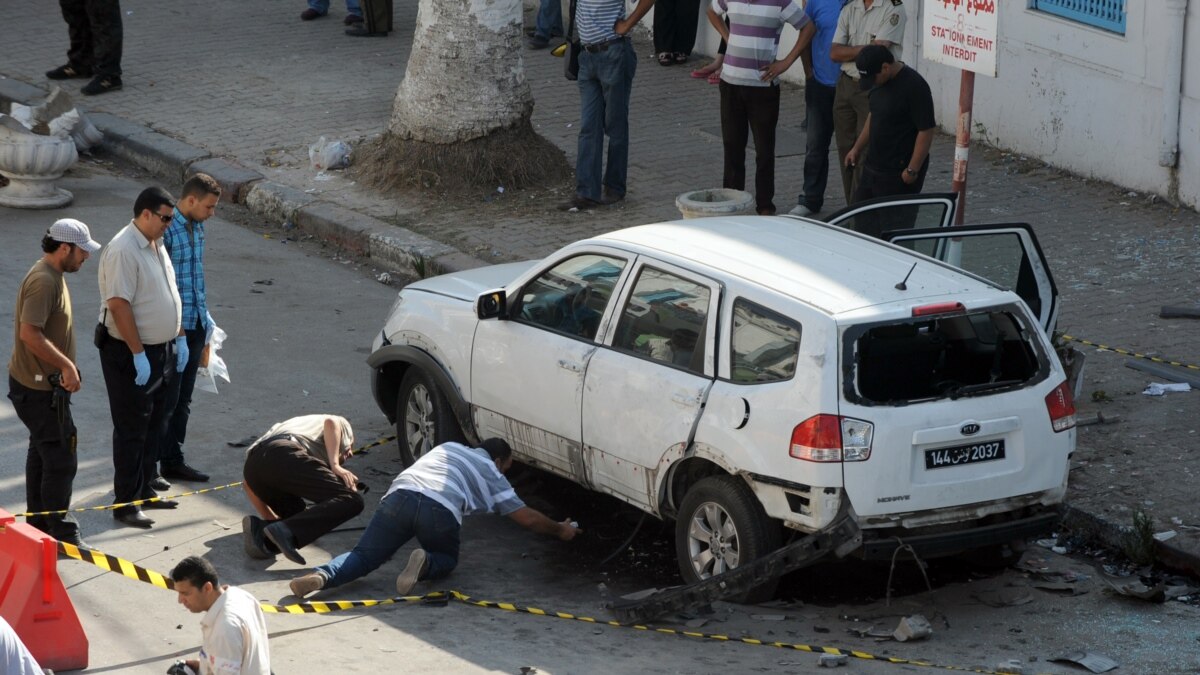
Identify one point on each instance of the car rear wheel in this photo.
(721, 526)
(423, 417)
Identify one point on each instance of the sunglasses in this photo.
(166, 219)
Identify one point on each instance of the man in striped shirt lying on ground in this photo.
(750, 85)
(428, 500)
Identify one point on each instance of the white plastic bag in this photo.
(324, 155)
(206, 376)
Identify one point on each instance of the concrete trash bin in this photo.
(715, 202)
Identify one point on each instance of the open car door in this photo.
(901, 212)
(1006, 255)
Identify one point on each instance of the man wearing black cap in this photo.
(899, 127)
(42, 376)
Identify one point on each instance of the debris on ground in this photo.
(1093, 662)
(1159, 388)
(1134, 587)
(1013, 666)
(832, 660)
(324, 155)
(915, 627)
(1175, 312)
(1005, 597)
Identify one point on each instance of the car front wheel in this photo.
(720, 527)
(423, 417)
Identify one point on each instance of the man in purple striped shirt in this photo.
(750, 85)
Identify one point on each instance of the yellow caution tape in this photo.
(139, 502)
(128, 569)
(1127, 352)
(118, 565)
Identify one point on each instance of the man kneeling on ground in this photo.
(296, 460)
(428, 500)
(234, 629)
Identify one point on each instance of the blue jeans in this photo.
(401, 516)
(605, 82)
(179, 402)
(818, 107)
(549, 19)
(322, 6)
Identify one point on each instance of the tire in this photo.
(424, 419)
(721, 511)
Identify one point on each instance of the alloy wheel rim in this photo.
(418, 421)
(713, 544)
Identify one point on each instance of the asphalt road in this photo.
(300, 322)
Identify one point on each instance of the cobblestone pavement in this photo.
(251, 82)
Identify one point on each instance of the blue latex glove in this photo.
(181, 353)
(142, 365)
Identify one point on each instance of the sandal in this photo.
(664, 59)
(680, 57)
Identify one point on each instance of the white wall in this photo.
(1080, 98)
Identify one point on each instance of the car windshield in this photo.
(925, 358)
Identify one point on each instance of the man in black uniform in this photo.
(899, 127)
(96, 34)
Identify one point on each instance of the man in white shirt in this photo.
(428, 501)
(234, 630)
(15, 658)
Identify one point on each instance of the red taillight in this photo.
(1061, 406)
(818, 439)
(938, 308)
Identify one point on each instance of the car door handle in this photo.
(570, 365)
(684, 399)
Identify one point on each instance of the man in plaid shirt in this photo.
(184, 240)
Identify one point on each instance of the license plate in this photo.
(964, 454)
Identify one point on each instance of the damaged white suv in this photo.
(750, 377)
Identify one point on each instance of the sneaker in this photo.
(310, 14)
(101, 84)
(309, 583)
(352, 19)
(68, 72)
(417, 564)
(801, 210)
(536, 41)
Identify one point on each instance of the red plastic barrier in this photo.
(33, 599)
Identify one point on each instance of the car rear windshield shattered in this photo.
(941, 357)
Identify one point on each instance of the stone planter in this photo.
(715, 202)
(32, 163)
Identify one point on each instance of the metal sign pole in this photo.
(962, 141)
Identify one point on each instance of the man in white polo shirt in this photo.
(141, 347)
(428, 501)
(234, 630)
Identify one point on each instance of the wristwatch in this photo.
(910, 171)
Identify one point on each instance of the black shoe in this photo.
(361, 31)
(161, 504)
(68, 72)
(253, 539)
(134, 519)
(608, 197)
(101, 84)
(280, 535)
(182, 471)
(536, 42)
(351, 19)
(578, 203)
(159, 484)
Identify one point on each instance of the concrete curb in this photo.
(389, 245)
(1180, 553)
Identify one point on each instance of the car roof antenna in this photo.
(902, 286)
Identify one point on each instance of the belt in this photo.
(602, 46)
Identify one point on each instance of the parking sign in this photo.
(962, 33)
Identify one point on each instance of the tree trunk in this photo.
(461, 115)
(465, 76)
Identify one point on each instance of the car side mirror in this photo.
(492, 305)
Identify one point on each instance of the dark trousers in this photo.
(818, 109)
(284, 475)
(675, 23)
(139, 416)
(850, 108)
(746, 110)
(51, 462)
(881, 183)
(178, 404)
(95, 29)
(378, 15)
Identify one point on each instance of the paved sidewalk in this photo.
(252, 83)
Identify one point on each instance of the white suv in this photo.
(752, 376)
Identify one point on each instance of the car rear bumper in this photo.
(880, 545)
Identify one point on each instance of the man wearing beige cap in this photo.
(42, 376)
